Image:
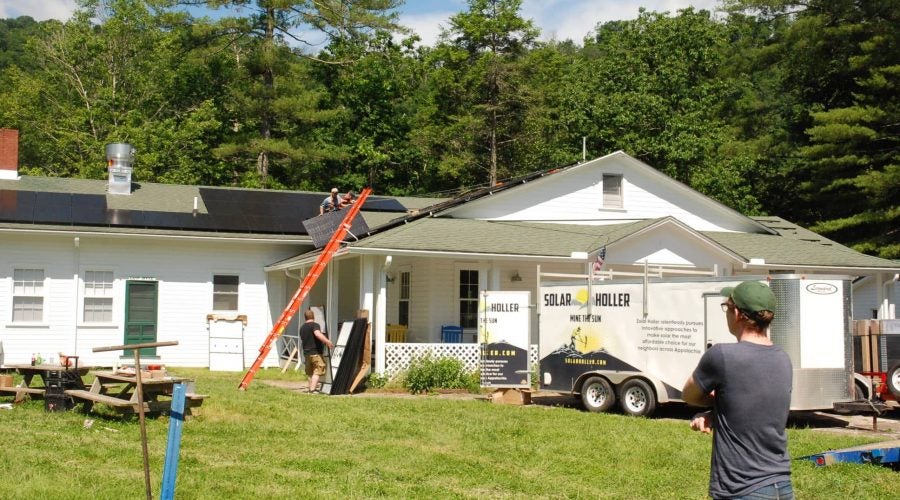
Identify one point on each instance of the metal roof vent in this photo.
(120, 158)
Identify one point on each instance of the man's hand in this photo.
(702, 422)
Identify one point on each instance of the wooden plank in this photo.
(290, 357)
(195, 400)
(99, 398)
(27, 390)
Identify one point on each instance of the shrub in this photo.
(377, 380)
(428, 373)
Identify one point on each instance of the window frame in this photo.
(613, 200)
(404, 302)
(470, 302)
(227, 293)
(26, 282)
(110, 296)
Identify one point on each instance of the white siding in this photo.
(183, 270)
(865, 298)
(576, 196)
(668, 245)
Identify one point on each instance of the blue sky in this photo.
(557, 19)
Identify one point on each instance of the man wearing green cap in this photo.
(748, 384)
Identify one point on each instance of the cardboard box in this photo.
(511, 396)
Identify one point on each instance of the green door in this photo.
(140, 315)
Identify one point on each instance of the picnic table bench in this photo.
(31, 373)
(118, 391)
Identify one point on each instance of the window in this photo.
(612, 191)
(468, 298)
(28, 296)
(98, 296)
(225, 292)
(403, 305)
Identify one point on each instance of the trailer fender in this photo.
(662, 396)
(863, 383)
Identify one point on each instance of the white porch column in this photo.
(884, 284)
(379, 327)
(493, 282)
(367, 284)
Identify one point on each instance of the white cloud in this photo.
(427, 26)
(573, 19)
(561, 19)
(557, 19)
(40, 10)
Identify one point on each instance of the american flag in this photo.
(598, 262)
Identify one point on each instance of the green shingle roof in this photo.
(499, 237)
(795, 246)
(792, 246)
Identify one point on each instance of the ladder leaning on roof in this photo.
(327, 253)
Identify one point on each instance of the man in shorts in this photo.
(312, 339)
(748, 385)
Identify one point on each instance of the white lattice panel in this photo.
(398, 356)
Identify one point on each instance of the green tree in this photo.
(14, 34)
(377, 95)
(473, 109)
(835, 67)
(107, 75)
(276, 107)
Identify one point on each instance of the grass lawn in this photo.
(268, 442)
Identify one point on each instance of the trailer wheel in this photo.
(636, 398)
(893, 380)
(597, 395)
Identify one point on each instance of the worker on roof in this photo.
(331, 202)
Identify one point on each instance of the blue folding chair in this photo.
(451, 334)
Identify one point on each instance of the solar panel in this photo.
(284, 206)
(53, 208)
(377, 204)
(126, 218)
(16, 206)
(322, 228)
(89, 209)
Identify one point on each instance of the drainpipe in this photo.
(76, 262)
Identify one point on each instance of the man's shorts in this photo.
(315, 364)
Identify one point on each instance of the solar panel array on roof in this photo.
(227, 210)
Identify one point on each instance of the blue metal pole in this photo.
(173, 445)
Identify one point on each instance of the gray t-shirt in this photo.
(752, 385)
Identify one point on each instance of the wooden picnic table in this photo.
(41, 371)
(117, 390)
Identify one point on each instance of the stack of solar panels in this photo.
(349, 366)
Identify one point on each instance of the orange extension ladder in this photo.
(327, 253)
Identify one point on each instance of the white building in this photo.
(82, 267)
(426, 270)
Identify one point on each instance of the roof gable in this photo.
(575, 195)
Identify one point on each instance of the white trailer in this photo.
(636, 341)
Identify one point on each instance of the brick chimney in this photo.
(9, 153)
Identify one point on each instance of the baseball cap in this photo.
(334, 190)
(751, 297)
